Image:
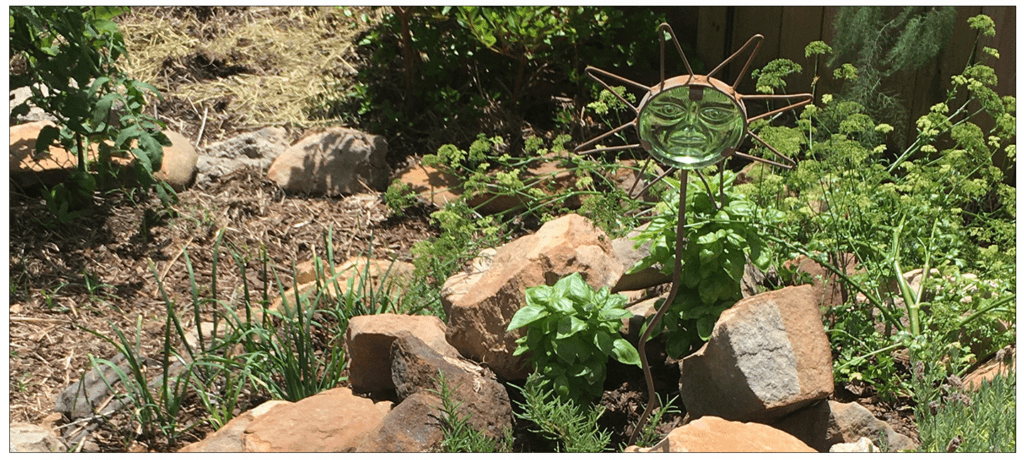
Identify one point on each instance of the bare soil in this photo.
(101, 270)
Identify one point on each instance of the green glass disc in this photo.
(691, 134)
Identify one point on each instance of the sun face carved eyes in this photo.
(692, 121)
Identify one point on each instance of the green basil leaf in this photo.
(624, 352)
(525, 316)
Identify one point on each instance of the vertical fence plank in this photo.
(800, 26)
(711, 40)
(747, 21)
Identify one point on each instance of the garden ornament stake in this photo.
(688, 122)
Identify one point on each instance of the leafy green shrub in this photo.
(73, 52)
(488, 173)
(940, 203)
(441, 75)
(571, 332)
(573, 427)
(720, 239)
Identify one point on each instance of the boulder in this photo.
(368, 342)
(415, 367)
(255, 149)
(178, 167)
(713, 434)
(438, 187)
(26, 437)
(85, 397)
(338, 161)
(367, 275)
(828, 288)
(828, 423)
(862, 445)
(231, 436)
(29, 168)
(479, 308)
(19, 96)
(332, 421)
(431, 185)
(767, 357)
(1003, 363)
(412, 426)
(628, 254)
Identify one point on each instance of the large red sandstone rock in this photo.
(828, 288)
(412, 426)
(479, 307)
(713, 434)
(231, 436)
(332, 421)
(768, 356)
(339, 161)
(28, 168)
(383, 277)
(416, 367)
(368, 342)
(1003, 363)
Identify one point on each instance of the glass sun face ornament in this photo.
(692, 121)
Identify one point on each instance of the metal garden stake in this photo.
(688, 122)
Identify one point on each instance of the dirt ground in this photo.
(98, 272)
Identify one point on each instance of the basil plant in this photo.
(571, 332)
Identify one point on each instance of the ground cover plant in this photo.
(132, 275)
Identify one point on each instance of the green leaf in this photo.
(569, 349)
(603, 342)
(577, 289)
(624, 352)
(526, 316)
(568, 326)
(706, 325)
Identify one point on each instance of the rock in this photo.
(412, 426)
(366, 275)
(31, 169)
(752, 279)
(26, 437)
(415, 367)
(828, 288)
(178, 167)
(862, 445)
(768, 356)
(20, 96)
(479, 308)
(368, 342)
(332, 421)
(713, 434)
(339, 161)
(434, 186)
(641, 312)
(828, 423)
(83, 398)
(255, 149)
(1003, 363)
(431, 185)
(230, 437)
(628, 254)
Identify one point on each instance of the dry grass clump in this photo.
(244, 67)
